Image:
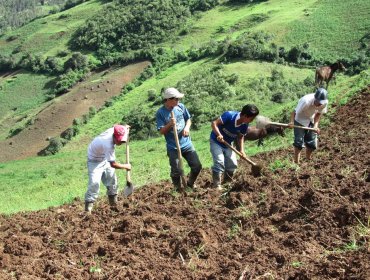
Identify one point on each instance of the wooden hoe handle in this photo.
(239, 153)
(183, 181)
(297, 126)
(128, 177)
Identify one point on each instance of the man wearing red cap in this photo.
(101, 164)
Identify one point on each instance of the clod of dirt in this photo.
(256, 170)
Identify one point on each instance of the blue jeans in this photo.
(190, 155)
(223, 158)
(100, 171)
(304, 137)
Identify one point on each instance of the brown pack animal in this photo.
(260, 134)
(326, 73)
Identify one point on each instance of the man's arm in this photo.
(292, 118)
(186, 130)
(316, 120)
(118, 165)
(215, 129)
(165, 129)
(240, 143)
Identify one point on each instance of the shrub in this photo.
(78, 61)
(68, 133)
(77, 122)
(55, 144)
(152, 95)
(143, 126)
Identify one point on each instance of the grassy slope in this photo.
(19, 96)
(57, 179)
(332, 28)
(280, 14)
(49, 35)
(45, 36)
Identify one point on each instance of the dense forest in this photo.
(15, 13)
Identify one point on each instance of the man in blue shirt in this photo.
(165, 123)
(230, 126)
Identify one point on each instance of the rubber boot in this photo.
(112, 200)
(89, 206)
(216, 177)
(228, 176)
(192, 177)
(176, 181)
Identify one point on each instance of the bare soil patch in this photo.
(310, 223)
(59, 114)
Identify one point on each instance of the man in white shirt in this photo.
(308, 113)
(101, 164)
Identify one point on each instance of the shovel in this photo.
(179, 155)
(129, 188)
(262, 122)
(256, 168)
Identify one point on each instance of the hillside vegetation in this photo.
(221, 54)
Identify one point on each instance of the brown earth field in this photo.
(60, 113)
(307, 223)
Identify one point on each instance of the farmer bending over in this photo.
(101, 164)
(308, 113)
(229, 126)
(165, 125)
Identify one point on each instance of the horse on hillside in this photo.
(326, 73)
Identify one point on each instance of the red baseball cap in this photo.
(120, 132)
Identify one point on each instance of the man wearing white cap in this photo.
(101, 164)
(308, 113)
(165, 123)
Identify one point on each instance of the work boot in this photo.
(228, 176)
(112, 200)
(216, 177)
(176, 181)
(192, 177)
(89, 206)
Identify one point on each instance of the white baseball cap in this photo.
(172, 93)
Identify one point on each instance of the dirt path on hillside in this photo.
(59, 115)
(309, 223)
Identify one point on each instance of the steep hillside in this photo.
(60, 113)
(222, 55)
(306, 223)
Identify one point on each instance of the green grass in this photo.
(232, 20)
(20, 95)
(49, 35)
(332, 28)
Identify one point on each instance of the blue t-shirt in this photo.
(182, 115)
(229, 129)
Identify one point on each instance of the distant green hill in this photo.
(220, 56)
(15, 13)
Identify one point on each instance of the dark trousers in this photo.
(191, 156)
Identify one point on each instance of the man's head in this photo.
(321, 97)
(249, 112)
(120, 133)
(171, 97)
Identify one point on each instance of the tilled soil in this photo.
(59, 114)
(306, 223)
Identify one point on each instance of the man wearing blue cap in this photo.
(308, 113)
